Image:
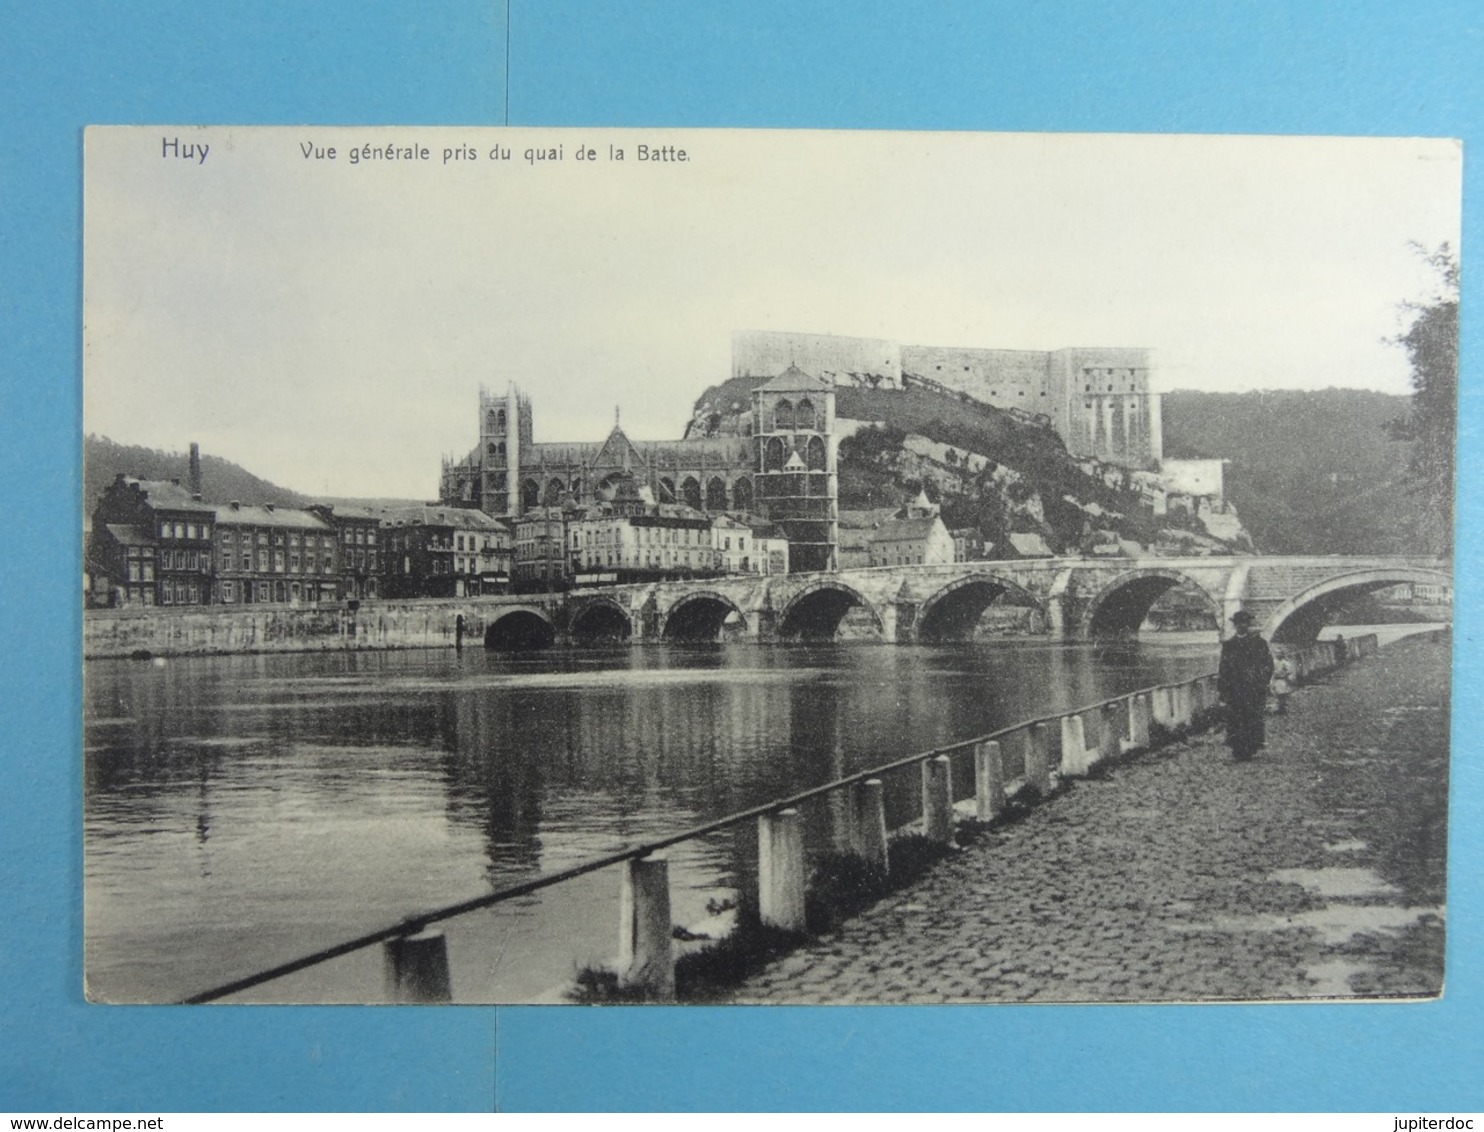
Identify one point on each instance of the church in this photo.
(783, 470)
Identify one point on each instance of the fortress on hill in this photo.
(1097, 399)
(778, 461)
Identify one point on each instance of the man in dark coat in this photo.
(1246, 668)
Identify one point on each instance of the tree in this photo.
(1431, 343)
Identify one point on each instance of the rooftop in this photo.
(905, 530)
(168, 495)
(794, 380)
(268, 515)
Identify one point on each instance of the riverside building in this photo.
(153, 540)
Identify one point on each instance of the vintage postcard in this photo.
(585, 566)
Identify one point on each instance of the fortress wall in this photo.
(1109, 412)
(770, 352)
(1007, 379)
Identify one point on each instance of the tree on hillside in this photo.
(1431, 342)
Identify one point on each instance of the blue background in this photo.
(1255, 67)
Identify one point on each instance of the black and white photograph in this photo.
(605, 566)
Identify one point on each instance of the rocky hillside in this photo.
(991, 470)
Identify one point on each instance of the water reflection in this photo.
(242, 810)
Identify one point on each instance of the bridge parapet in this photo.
(1078, 597)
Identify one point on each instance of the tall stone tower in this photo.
(795, 477)
(504, 432)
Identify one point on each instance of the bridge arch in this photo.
(953, 612)
(519, 628)
(601, 619)
(815, 612)
(1298, 620)
(699, 616)
(1121, 606)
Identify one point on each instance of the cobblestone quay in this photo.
(1314, 871)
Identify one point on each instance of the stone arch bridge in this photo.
(1079, 598)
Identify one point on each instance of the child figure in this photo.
(1282, 683)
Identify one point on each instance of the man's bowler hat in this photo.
(1242, 617)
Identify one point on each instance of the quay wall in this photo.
(208, 630)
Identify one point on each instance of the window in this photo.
(229, 592)
(164, 530)
(190, 530)
(263, 563)
(247, 561)
(180, 530)
(278, 561)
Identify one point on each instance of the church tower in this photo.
(504, 433)
(796, 481)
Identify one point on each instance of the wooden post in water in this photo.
(1038, 757)
(989, 781)
(868, 840)
(1140, 709)
(646, 949)
(937, 799)
(1073, 745)
(416, 968)
(780, 870)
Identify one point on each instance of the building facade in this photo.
(356, 535)
(430, 550)
(270, 554)
(155, 539)
(796, 476)
(671, 542)
(540, 561)
(922, 541)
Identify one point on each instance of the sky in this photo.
(328, 324)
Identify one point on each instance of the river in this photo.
(243, 810)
